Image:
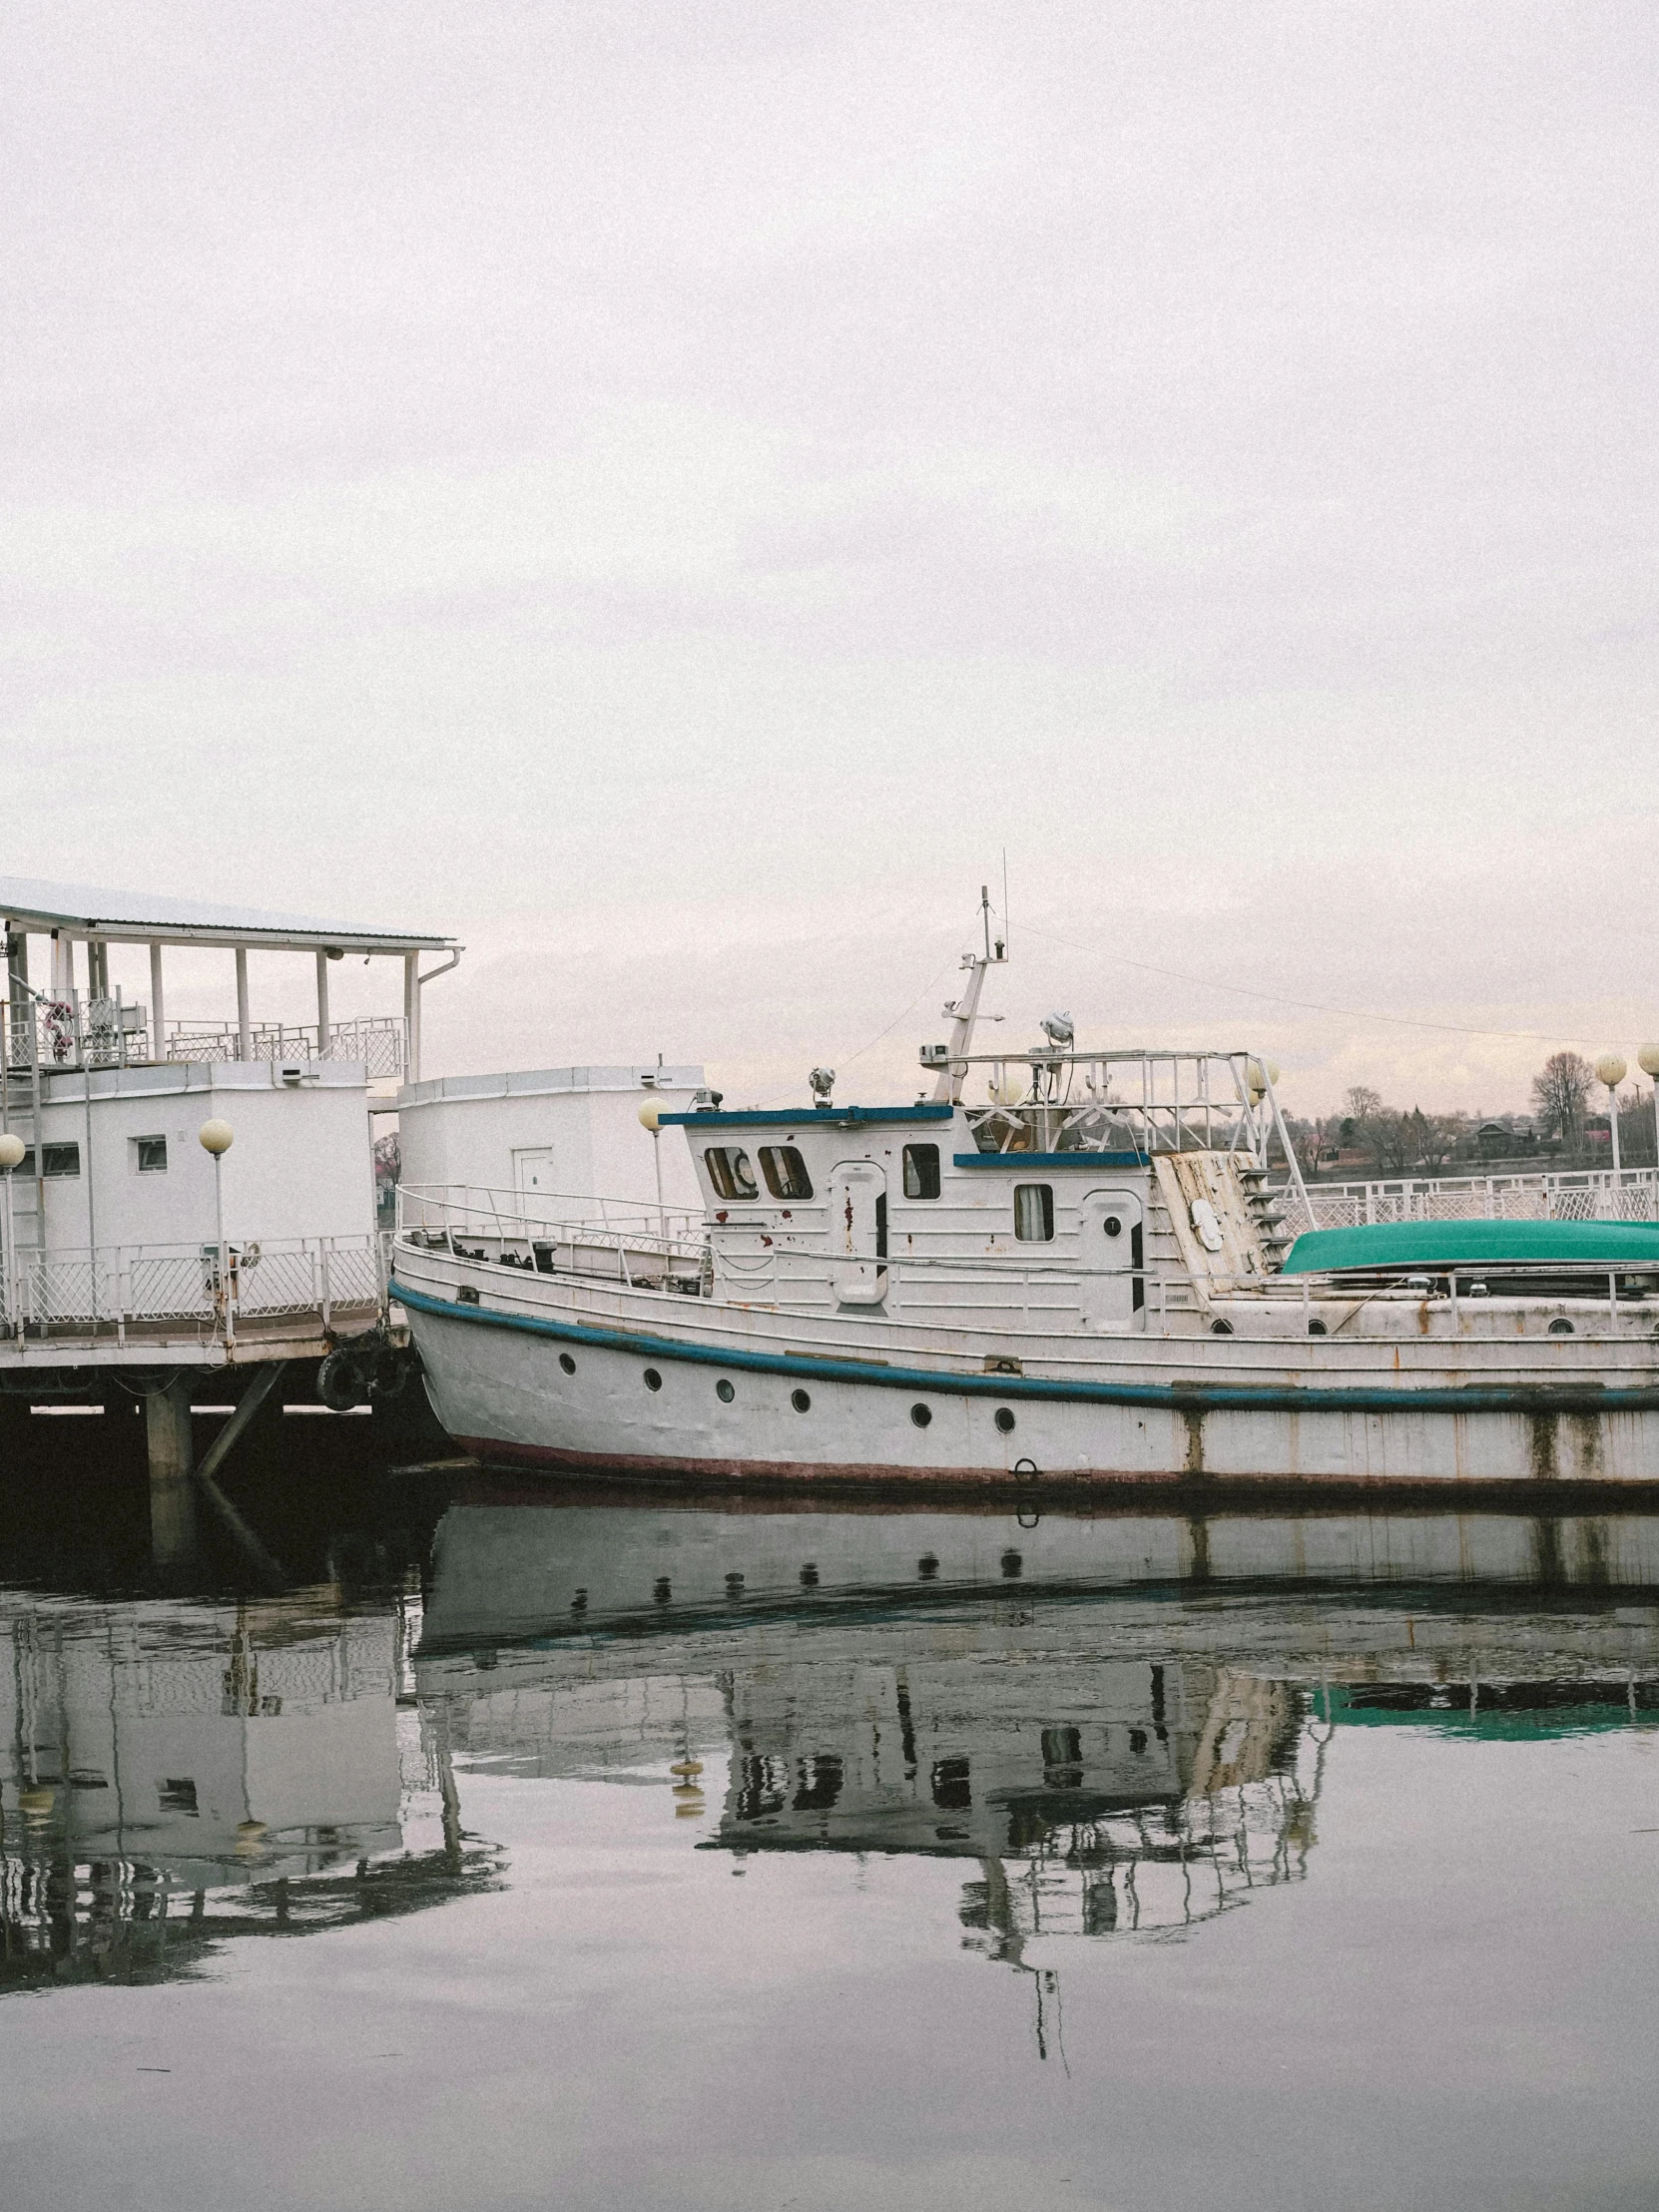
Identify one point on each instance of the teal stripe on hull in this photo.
(1180, 1397)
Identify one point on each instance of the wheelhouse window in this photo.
(922, 1171)
(1034, 1213)
(729, 1172)
(785, 1171)
(150, 1155)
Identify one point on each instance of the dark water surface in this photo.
(537, 1850)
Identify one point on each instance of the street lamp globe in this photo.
(1648, 1060)
(215, 1137)
(11, 1152)
(1610, 1070)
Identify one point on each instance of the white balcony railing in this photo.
(380, 1042)
(167, 1290)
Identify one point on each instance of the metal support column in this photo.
(245, 1027)
(172, 1453)
(157, 1048)
(322, 1003)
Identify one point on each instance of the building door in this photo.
(1111, 1260)
(534, 1182)
(857, 1194)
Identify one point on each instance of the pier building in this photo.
(186, 1203)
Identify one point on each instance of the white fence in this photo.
(162, 1290)
(1592, 1195)
(379, 1042)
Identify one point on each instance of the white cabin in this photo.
(553, 1138)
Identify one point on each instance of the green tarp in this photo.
(1431, 1245)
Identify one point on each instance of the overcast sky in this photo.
(669, 493)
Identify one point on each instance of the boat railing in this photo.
(484, 1210)
(119, 1291)
(1629, 1284)
(1168, 1101)
(1592, 1193)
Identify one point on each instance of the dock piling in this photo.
(172, 1457)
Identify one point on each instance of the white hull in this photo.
(543, 1372)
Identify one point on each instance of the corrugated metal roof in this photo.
(31, 904)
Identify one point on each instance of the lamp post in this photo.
(215, 1137)
(11, 1155)
(1610, 1070)
(651, 1114)
(1648, 1061)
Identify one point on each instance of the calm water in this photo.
(591, 1854)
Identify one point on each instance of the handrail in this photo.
(92, 1291)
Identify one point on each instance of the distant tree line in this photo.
(1568, 1127)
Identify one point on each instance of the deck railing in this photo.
(380, 1042)
(219, 1290)
(477, 1209)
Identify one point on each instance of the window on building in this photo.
(1034, 1213)
(56, 1159)
(151, 1155)
(729, 1172)
(922, 1171)
(785, 1171)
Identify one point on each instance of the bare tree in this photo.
(1560, 1094)
(1433, 1139)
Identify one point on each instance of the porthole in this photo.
(800, 1402)
(1005, 1419)
(724, 1392)
(652, 1379)
(1221, 1329)
(567, 1362)
(1112, 1225)
(922, 1415)
(1317, 1328)
(1561, 1328)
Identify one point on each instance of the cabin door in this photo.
(857, 1194)
(533, 1180)
(1111, 1257)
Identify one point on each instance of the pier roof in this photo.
(31, 905)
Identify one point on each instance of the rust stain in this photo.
(1543, 1447)
(1194, 1462)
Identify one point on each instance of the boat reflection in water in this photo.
(1122, 1720)
(172, 1773)
(1119, 1724)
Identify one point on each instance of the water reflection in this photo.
(172, 1773)
(1120, 1725)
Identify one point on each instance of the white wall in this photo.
(301, 1164)
(467, 1129)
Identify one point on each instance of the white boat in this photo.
(1064, 1267)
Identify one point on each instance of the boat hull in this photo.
(569, 1395)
